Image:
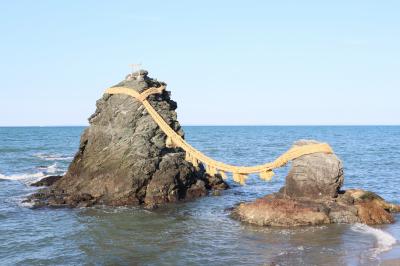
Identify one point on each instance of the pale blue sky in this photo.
(226, 62)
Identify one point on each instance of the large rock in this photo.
(315, 175)
(123, 158)
(312, 196)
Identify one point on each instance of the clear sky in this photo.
(226, 62)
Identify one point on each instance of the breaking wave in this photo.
(51, 169)
(29, 178)
(25, 178)
(384, 240)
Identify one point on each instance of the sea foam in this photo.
(384, 240)
(51, 169)
(25, 178)
(53, 157)
(29, 178)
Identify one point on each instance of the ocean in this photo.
(199, 232)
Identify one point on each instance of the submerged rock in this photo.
(123, 158)
(312, 196)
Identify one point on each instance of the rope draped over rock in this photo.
(213, 167)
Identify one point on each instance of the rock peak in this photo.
(141, 74)
(140, 81)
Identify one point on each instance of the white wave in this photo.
(51, 169)
(25, 178)
(25, 204)
(53, 157)
(384, 240)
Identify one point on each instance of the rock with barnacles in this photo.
(123, 158)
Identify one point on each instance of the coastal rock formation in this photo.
(315, 175)
(312, 196)
(46, 181)
(123, 158)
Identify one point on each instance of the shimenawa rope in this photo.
(213, 167)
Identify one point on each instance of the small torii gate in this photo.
(136, 68)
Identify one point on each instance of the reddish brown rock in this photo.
(372, 213)
(275, 211)
(372, 209)
(312, 196)
(280, 210)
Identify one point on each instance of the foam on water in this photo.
(384, 240)
(25, 204)
(29, 178)
(53, 157)
(25, 178)
(51, 169)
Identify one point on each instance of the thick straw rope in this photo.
(213, 167)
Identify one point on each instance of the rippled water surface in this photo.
(199, 232)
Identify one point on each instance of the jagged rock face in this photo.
(123, 158)
(312, 196)
(315, 175)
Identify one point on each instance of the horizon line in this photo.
(228, 125)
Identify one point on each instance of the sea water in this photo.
(199, 232)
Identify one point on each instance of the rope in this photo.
(213, 167)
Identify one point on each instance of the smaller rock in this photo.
(352, 206)
(372, 209)
(197, 190)
(215, 182)
(371, 213)
(216, 193)
(275, 211)
(47, 181)
(82, 200)
(317, 175)
(312, 196)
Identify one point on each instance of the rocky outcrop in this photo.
(315, 175)
(46, 181)
(312, 196)
(123, 158)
